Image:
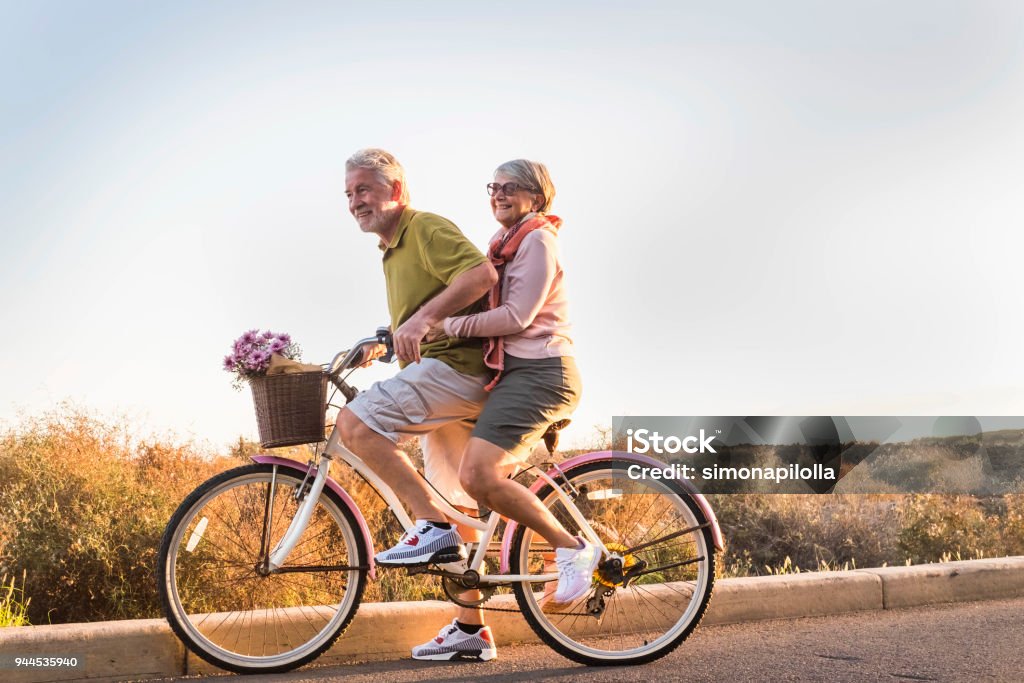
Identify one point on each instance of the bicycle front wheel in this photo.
(219, 598)
(653, 590)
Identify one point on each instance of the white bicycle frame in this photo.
(335, 449)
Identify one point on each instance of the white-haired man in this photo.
(432, 271)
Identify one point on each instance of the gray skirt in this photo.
(532, 393)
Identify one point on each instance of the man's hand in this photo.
(372, 353)
(407, 338)
(466, 288)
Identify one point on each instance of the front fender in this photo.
(697, 496)
(265, 459)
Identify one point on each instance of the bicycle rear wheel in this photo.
(646, 606)
(220, 603)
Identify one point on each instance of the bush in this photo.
(84, 507)
(764, 531)
(961, 526)
(780, 533)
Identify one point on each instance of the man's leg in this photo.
(421, 398)
(391, 464)
(442, 453)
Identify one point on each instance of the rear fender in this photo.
(583, 459)
(342, 494)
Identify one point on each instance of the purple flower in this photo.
(259, 360)
(251, 353)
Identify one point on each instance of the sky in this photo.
(800, 208)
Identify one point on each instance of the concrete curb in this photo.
(146, 648)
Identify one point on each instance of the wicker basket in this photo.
(290, 408)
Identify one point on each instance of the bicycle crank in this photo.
(455, 587)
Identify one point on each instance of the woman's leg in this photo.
(484, 475)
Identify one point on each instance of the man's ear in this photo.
(396, 190)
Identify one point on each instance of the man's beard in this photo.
(382, 220)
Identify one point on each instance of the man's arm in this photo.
(466, 288)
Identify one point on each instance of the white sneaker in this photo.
(575, 571)
(453, 643)
(426, 543)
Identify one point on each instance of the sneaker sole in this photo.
(459, 656)
(443, 555)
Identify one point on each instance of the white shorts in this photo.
(430, 400)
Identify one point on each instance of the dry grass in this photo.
(13, 603)
(773, 534)
(83, 506)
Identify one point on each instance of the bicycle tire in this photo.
(222, 608)
(640, 621)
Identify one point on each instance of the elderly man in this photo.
(431, 271)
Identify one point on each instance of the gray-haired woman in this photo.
(527, 344)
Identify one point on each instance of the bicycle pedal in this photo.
(446, 557)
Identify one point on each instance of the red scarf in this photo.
(501, 251)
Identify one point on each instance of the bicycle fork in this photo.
(308, 495)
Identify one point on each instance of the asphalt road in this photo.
(982, 641)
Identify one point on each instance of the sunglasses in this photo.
(508, 188)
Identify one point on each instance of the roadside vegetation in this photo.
(13, 603)
(83, 505)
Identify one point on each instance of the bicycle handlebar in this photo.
(353, 357)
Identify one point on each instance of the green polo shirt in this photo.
(425, 255)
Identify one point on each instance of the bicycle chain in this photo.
(519, 611)
(510, 609)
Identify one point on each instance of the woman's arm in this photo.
(527, 283)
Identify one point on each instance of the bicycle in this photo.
(263, 567)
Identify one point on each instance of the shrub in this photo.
(763, 531)
(782, 533)
(85, 507)
(960, 526)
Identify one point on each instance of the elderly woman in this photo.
(527, 344)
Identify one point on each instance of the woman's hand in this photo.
(436, 331)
